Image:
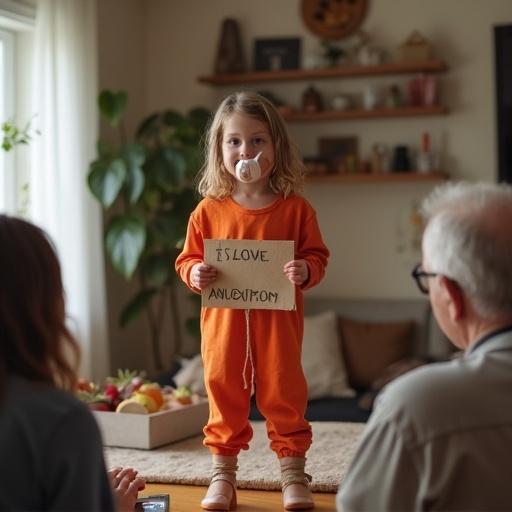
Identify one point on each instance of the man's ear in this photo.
(454, 298)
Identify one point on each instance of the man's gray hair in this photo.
(469, 239)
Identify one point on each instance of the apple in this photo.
(111, 392)
(100, 405)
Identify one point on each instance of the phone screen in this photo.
(155, 503)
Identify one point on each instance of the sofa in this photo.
(372, 341)
(351, 349)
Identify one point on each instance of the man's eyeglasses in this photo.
(422, 277)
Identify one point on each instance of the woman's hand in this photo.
(202, 275)
(297, 271)
(125, 487)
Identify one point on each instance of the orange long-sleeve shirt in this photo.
(292, 218)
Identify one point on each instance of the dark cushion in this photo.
(167, 378)
(327, 409)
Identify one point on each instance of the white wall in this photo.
(160, 47)
(360, 222)
(121, 44)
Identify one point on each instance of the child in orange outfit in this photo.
(254, 201)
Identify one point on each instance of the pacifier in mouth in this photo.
(248, 171)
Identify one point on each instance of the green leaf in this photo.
(157, 268)
(169, 228)
(194, 159)
(167, 167)
(134, 155)
(170, 225)
(148, 127)
(173, 119)
(13, 136)
(125, 240)
(177, 163)
(134, 183)
(187, 134)
(199, 119)
(106, 177)
(112, 105)
(151, 198)
(136, 306)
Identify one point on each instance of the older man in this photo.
(440, 437)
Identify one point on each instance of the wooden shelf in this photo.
(354, 114)
(349, 71)
(389, 177)
(343, 71)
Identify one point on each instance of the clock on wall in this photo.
(333, 19)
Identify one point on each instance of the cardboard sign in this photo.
(249, 274)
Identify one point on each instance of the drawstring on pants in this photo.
(248, 352)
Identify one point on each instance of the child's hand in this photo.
(297, 271)
(202, 275)
(125, 487)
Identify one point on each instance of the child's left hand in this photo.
(297, 271)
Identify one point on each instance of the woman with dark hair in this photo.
(51, 452)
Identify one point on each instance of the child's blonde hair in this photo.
(286, 178)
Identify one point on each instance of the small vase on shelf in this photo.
(425, 157)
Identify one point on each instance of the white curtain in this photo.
(65, 90)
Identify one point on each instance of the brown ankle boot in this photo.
(221, 494)
(295, 484)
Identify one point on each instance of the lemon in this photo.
(147, 401)
(132, 406)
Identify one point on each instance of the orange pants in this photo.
(281, 389)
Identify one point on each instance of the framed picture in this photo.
(274, 54)
(340, 153)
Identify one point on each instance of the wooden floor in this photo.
(187, 498)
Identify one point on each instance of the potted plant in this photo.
(12, 136)
(147, 185)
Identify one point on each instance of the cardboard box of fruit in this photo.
(133, 412)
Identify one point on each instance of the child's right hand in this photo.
(202, 275)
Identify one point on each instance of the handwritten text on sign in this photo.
(249, 274)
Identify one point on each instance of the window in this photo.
(7, 101)
(16, 46)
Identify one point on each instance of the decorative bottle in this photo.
(425, 155)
